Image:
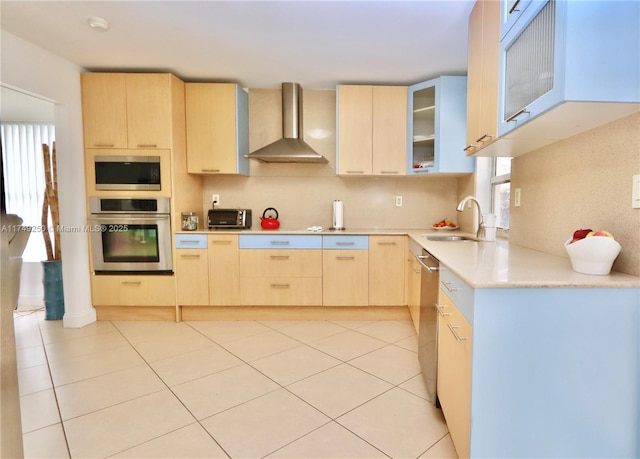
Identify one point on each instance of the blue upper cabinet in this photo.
(511, 10)
(437, 123)
(568, 66)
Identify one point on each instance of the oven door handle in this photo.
(128, 219)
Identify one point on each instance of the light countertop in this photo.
(483, 264)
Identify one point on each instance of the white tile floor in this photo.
(274, 389)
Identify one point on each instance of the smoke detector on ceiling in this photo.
(99, 24)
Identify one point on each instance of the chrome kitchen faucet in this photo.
(480, 233)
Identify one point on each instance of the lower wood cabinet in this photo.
(280, 270)
(454, 372)
(224, 270)
(116, 290)
(345, 277)
(192, 276)
(387, 256)
(412, 283)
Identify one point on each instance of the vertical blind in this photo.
(24, 177)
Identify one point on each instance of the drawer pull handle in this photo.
(190, 256)
(280, 285)
(355, 172)
(517, 114)
(431, 269)
(486, 136)
(386, 243)
(189, 241)
(280, 242)
(470, 147)
(453, 328)
(131, 283)
(449, 287)
(147, 145)
(345, 243)
(279, 257)
(388, 172)
(440, 308)
(103, 145)
(210, 170)
(220, 242)
(345, 258)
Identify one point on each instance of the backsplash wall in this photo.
(303, 193)
(581, 182)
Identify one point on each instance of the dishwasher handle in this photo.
(431, 269)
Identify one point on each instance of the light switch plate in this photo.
(516, 199)
(635, 194)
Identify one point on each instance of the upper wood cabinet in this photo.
(217, 128)
(127, 110)
(437, 127)
(372, 129)
(483, 75)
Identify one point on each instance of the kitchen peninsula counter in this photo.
(481, 264)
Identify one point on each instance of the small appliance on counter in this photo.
(269, 223)
(229, 219)
(189, 221)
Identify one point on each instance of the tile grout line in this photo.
(172, 393)
(55, 392)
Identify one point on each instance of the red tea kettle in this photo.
(268, 223)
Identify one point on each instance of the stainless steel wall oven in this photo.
(130, 235)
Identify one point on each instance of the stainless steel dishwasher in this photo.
(428, 326)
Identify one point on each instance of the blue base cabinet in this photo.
(437, 126)
(559, 52)
(555, 371)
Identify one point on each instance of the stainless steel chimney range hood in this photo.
(290, 148)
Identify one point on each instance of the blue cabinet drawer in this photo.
(340, 242)
(458, 291)
(191, 241)
(280, 241)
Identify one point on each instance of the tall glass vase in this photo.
(53, 290)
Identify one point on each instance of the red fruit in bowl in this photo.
(580, 234)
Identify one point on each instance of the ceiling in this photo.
(255, 43)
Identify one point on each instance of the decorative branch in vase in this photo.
(52, 268)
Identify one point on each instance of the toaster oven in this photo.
(229, 219)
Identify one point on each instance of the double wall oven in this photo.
(130, 235)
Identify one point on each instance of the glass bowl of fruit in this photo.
(592, 252)
(444, 224)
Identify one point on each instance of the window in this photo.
(23, 177)
(501, 191)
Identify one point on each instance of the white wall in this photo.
(34, 70)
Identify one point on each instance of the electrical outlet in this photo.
(635, 194)
(215, 199)
(398, 201)
(516, 198)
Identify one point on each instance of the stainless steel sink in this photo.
(448, 238)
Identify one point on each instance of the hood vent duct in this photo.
(291, 148)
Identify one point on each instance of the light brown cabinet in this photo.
(281, 277)
(387, 256)
(454, 372)
(224, 270)
(345, 277)
(133, 290)
(127, 110)
(483, 75)
(372, 130)
(192, 276)
(412, 282)
(217, 128)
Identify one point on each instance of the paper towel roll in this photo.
(338, 215)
